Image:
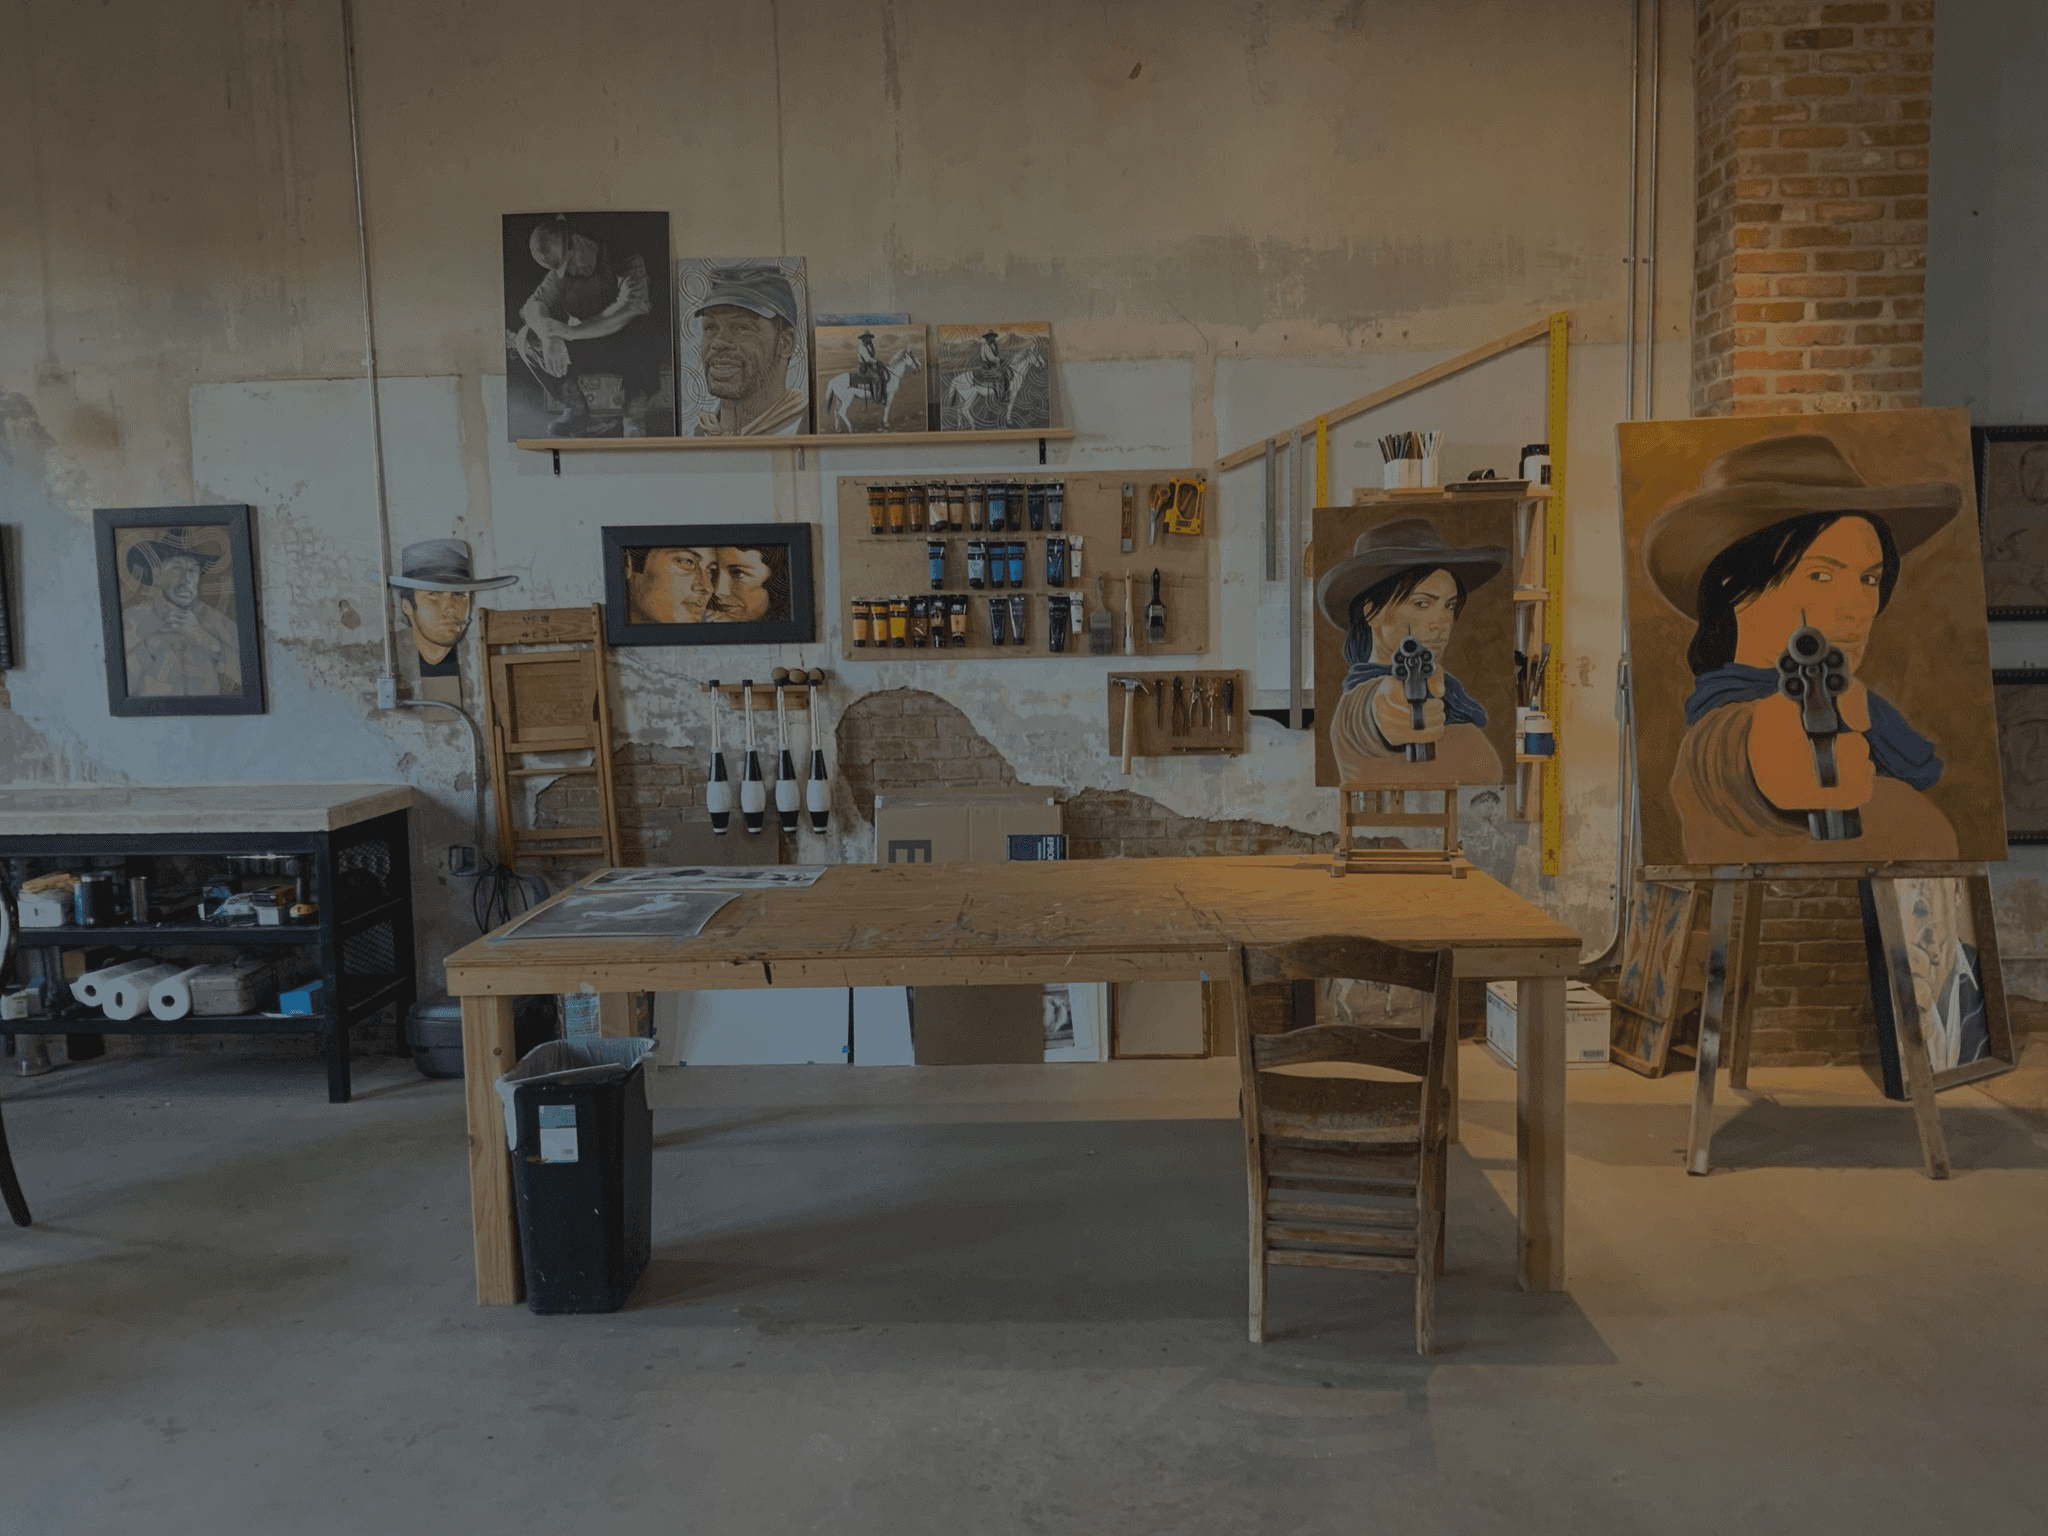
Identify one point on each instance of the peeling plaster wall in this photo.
(1233, 214)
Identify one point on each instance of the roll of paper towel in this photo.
(129, 994)
(91, 988)
(171, 998)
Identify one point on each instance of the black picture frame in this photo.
(623, 624)
(216, 535)
(2022, 825)
(1983, 440)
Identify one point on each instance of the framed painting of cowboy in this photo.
(1414, 645)
(178, 610)
(1811, 662)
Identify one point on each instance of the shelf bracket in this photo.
(557, 455)
(1041, 450)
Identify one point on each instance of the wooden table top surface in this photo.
(1043, 910)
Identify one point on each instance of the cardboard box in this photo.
(960, 826)
(968, 1026)
(1585, 1023)
(306, 999)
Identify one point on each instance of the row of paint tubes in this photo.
(923, 622)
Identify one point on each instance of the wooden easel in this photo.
(1731, 984)
(1366, 808)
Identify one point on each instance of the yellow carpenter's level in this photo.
(1553, 581)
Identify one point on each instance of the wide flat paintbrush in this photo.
(1155, 615)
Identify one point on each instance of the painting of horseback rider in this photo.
(869, 378)
(994, 376)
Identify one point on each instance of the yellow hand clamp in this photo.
(1179, 502)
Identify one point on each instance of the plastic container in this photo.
(433, 1028)
(582, 1140)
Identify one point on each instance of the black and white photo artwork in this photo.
(2012, 513)
(994, 376)
(870, 378)
(178, 610)
(589, 326)
(743, 366)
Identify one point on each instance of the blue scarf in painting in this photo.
(1896, 750)
(1460, 708)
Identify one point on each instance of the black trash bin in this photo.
(582, 1142)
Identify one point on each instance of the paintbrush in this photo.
(1155, 614)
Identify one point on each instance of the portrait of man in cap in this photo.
(1808, 643)
(1392, 592)
(436, 591)
(589, 339)
(178, 628)
(745, 354)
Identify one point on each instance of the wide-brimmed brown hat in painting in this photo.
(1392, 547)
(1748, 489)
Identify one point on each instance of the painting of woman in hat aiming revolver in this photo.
(1783, 562)
(1403, 717)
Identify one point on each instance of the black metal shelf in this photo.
(192, 1024)
(137, 935)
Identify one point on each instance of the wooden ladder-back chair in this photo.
(1345, 1172)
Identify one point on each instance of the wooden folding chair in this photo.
(1344, 1172)
(546, 694)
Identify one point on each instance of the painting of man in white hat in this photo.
(436, 588)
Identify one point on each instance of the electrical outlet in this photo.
(461, 859)
(387, 692)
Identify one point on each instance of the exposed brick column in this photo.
(1810, 224)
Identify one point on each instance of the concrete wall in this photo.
(1987, 314)
(1233, 214)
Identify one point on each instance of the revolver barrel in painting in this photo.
(1414, 663)
(1813, 674)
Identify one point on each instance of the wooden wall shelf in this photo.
(798, 441)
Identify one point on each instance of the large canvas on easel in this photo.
(1441, 576)
(1747, 538)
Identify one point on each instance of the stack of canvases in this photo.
(599, 344)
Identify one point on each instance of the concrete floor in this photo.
(994, 1300)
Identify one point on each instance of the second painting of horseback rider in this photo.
(870, 378)
(994, 376)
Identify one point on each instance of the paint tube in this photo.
(1020, 607)
(914, 508)
(1055, 562)
(920, 622)
(860, 621)
(878, 515)
(977, 563)
(977, 508)
(956, 507)
(1016, 563)
(957, 620)
(896, 508)
(1035, 505)
(935, 556)
(1056, 506)
(998, 609)
(998, 509)
(1056, 611)
(899, 622)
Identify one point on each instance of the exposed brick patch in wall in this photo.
(1810, 221)
(905, 739)
(1120, 824)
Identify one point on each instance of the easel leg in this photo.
(1742, 984)
(488, 1051)
(1919, 1072)
(1539, 1130)
(1713, 1012)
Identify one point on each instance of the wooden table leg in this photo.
(1713, 1016)
(10, 1186)
(1539, 1130)
(488, 1053)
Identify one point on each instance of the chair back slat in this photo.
(1332, 956)
(1354, 1043)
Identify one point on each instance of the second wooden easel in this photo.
(1364, 808)
(1725, 1005)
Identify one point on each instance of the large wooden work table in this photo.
(864, 925)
